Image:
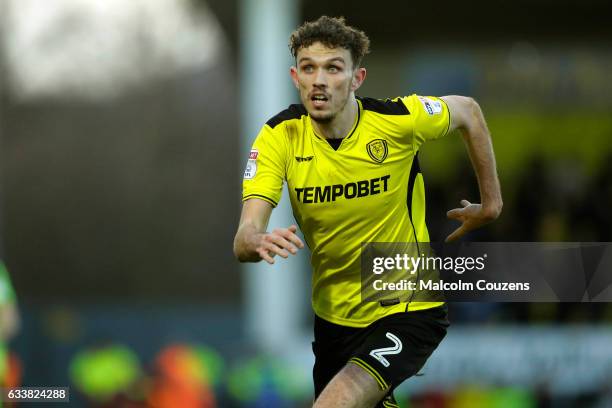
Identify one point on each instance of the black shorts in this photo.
(391, 349)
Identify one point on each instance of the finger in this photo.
(263, 254)
(275, 249)
(289, 234)
(455, 213)
(267, 250)
(465, 203)
(295, 240)
(458, 233)
(281, 242)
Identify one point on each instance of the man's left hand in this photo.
(472, 216)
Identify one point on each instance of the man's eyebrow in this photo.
(334, 59)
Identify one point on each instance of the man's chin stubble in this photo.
(323, 120)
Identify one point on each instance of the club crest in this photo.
(378, 150)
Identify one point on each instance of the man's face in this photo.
(325, 78)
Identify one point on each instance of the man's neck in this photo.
(342, 124)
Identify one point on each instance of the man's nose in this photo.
(320, 78)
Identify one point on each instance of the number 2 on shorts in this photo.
(380, 353)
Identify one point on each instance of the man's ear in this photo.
(294, 78)
(358, 77)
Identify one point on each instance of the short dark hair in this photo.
(332, 32)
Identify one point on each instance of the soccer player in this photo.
(353, 176)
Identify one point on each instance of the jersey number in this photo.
(380, 353)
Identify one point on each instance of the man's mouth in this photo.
(319, 100)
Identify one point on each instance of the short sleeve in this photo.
(431, 117)
(266, 166)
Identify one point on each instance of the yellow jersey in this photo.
(368, 190)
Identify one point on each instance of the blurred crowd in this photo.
(111, 375)
(552, 202)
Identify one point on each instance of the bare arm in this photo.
(466, 116)
(252, 243)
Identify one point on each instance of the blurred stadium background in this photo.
(122, 129)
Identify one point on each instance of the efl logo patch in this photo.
(250, 170)
(432, 107)
(251, 167)
(378, 150)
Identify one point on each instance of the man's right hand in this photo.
(252, 243)
(281, 241)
